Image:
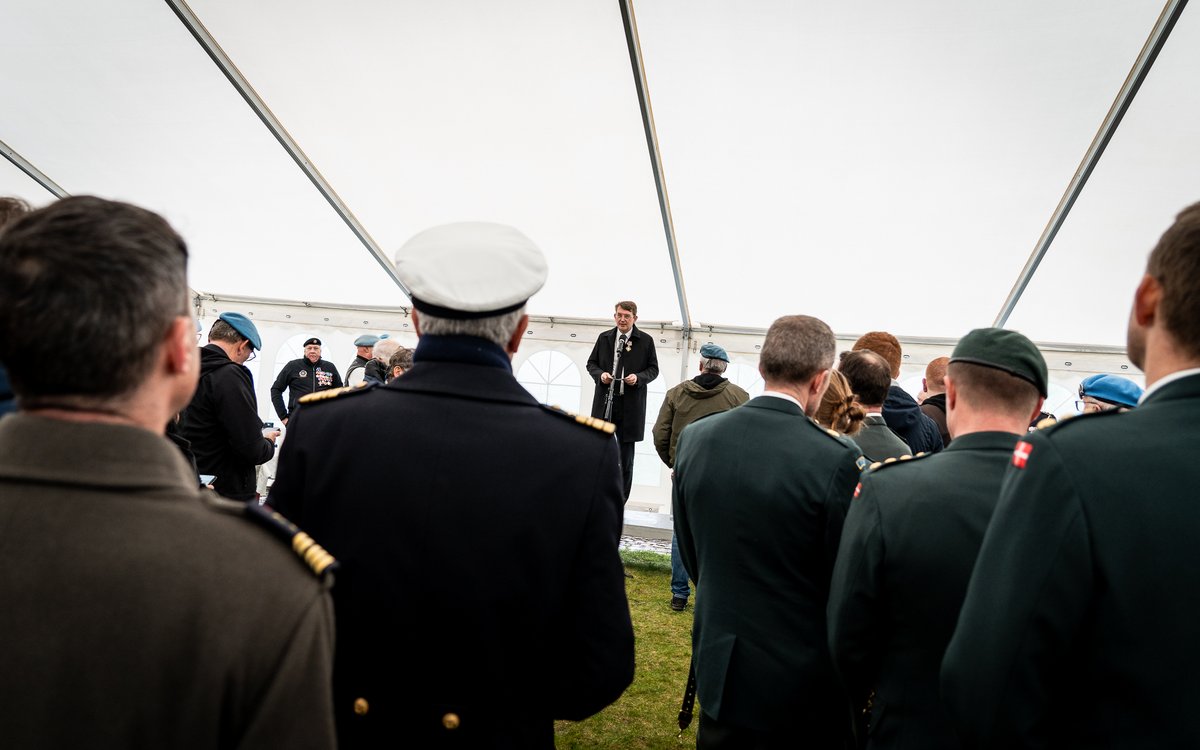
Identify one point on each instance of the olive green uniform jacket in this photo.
(1079, 627)
(907, 552)
(687, 402)
(760, 495)
(132, 615)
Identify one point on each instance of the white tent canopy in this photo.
(879, 165)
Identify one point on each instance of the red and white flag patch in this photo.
(857, 489)
(1021, 454)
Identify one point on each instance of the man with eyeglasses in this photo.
(622, 363)
(1107, 392)
(222, 419)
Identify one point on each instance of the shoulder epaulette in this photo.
(595, 423)
(832, 433)
(314, 555)
(895, 460)
(333, 393)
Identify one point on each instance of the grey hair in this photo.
(497, 329)
(715, 366)
(385, 348)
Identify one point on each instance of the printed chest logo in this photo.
(304, 373)
(1021, 454)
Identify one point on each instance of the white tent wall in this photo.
(551, 345)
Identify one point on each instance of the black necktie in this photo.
(621, 341)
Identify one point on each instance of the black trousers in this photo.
(718, 735)
(627, 466)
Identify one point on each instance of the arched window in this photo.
(746, 376)
(552, 378)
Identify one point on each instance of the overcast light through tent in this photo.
(1084, 289)
(16, 184)
(117, 99)
(880, 165)
(523, 113)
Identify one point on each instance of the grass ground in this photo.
(645, 717)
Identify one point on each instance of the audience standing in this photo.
(910, 542)
(1107, 392)
(222, 422)
(867, 374)
(135, 612)
(760, 494)
(707, 393)
(638, 366)
(364, 353)
(376, 371)
(933, 390)
(483, 597)
(900, 410)
(300, 377)
(1079, 625)
(399, 363)
(839, 409)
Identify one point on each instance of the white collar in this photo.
(784, 396)
(1177, 375)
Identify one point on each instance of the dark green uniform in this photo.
(133, 615)
(1079, 628)
(907, 551)
(760, 495)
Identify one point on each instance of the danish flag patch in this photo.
(858, 489)
(1021, 454)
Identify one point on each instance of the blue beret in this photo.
(712, 351)
(244, 326)
(366, 340)
(1111, 389)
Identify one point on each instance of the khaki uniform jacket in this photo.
(684, 404)
(132, 615)
(1079, 625)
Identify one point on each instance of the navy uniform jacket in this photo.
(1079, 625)
(300, 378)
(480, 594)
(629, 411)
(907, 551)
(760, 495)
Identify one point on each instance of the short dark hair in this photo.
(990, 389)
(85, 269)
(402, 358)
(885, 345)
(869, 375)
(12, 209)
(1175, 265)
(626, 305)
(222, 331)
(796, 348)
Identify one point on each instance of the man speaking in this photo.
(622, 363)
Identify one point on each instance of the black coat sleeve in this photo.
(277, 388)
(595, 362)
(650, 371)
(237, 410)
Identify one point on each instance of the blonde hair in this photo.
(839, 410)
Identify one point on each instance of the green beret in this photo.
(1004, 350)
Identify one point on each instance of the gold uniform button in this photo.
(450, 721)
(361, 706)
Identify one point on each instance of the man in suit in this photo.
(484, 598)
(760, 495)
(136, 611)
(910, 542)
(1079, 625)
(624, 362)
(900, 410)
(867, 374)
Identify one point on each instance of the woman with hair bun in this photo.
(839, 410)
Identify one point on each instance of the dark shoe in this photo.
(678, 603)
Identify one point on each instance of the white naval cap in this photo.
(470, 269)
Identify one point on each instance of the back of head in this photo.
(1175, 265)
(402, 358)
(86, 270)
(12, 209)
(868, 374)
(998, 371)
(885, 345)
(385, 348)
(935, 375)
(839, 410)
(797, 347)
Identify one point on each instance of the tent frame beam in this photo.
(205, 39)
(37, 175)
(1116, 113)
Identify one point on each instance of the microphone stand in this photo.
(612, 386)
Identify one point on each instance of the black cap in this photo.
(313, 340)
(1004, 350)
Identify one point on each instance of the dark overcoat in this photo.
(641, 359)
(480, 595)
(760, 495)
(1079, 625)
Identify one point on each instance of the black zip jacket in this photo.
(300, 378)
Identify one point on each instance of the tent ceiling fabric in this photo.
(879, 165)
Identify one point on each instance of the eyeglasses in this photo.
(1087, 406)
